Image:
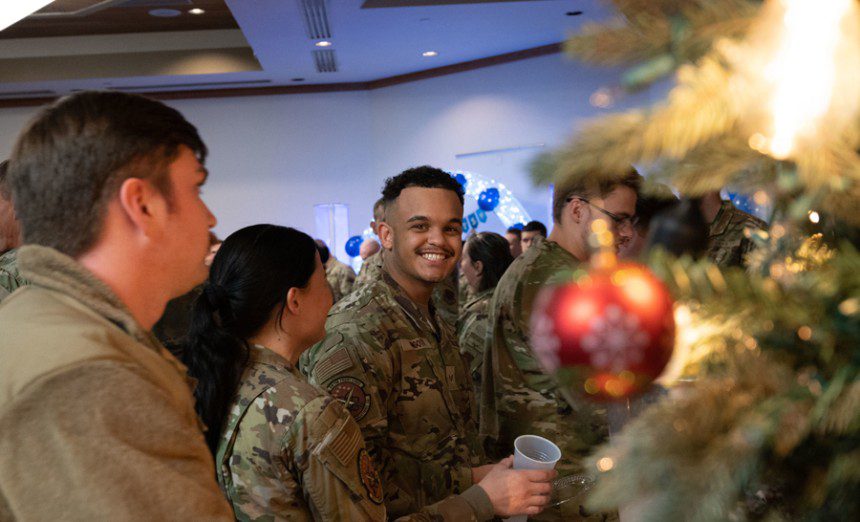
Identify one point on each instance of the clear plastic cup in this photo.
(533, 452)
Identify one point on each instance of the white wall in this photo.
(525, 103)
(274, 157)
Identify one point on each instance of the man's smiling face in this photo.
(426, 229)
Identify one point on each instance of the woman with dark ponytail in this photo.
(485, 258)
(283, 449)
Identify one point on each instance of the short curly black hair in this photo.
(424, 176)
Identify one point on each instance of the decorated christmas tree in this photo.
(765, 100)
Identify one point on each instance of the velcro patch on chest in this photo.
(338, 362)
(350, 391)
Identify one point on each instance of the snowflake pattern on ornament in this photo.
(545, 343)
(615, 340)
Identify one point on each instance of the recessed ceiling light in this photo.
(324, 43)
(12, 12)
(429, 54)
(196, 11)
(165, 13)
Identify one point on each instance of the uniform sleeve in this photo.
(473, 506)
(338, 478)
(351, 373)
(103, 442)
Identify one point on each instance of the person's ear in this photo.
(479, 267)
(143, 205)
(576, 210)
(386, 235)
(293, 301)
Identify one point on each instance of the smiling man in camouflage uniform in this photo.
(396, 365)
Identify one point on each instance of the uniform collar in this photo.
(480, 296)
(260, 354)
(49, 268)
(412, 311)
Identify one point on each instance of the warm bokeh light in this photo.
(804, 68)
(637, 287)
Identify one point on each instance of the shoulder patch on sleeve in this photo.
(350, 391)
(332, 365)
(344, 444)
(370, 477)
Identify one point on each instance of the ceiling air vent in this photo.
(60, 8)
(315, 16)
(325, 61)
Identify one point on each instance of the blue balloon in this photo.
(353, 246)
(518, 226)
(461, 179)
(745, 202)
(488, 199)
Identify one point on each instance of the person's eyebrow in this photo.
(417, 218)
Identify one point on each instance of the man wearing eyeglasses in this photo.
(517, 397)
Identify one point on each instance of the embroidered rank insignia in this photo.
(369, 477)
(350, 391)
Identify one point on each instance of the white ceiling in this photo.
(370, 44)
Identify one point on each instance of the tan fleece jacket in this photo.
(97, 419)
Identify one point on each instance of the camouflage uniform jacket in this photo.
(473, 327)
(340, 278)
(727, 243)
(464, 291)
(444, 294)
(404, 381)
(290, 451)
(517, 397)
(10, 278)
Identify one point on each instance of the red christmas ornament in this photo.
(609, 333)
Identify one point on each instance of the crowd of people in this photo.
(292, 387)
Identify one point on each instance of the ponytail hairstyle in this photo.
(248, 281)
(494, 252)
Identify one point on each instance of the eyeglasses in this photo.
(620, 222)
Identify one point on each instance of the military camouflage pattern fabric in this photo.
(473, 328)
(517, 397)
(446, 299)
(340, 278)
(369, 271)
(10, 278)
(289, 451)
(728, 245)
(403, 379)
(464, 291)
(445, 294)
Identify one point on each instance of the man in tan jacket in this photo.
(97, 421)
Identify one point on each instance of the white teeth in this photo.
(433, 257)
